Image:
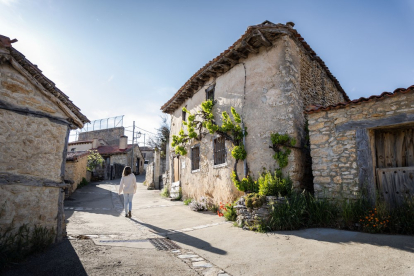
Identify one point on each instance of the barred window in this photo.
(184, 114)
(195, 158)
(219, 151)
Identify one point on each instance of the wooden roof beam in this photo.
(249, 47)
(263, 39)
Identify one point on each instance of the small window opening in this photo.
(195, 158)
(219, 151)
(210, 92)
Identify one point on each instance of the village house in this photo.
(112, 145)
(364, 146)
(270, 75)
(35, 121)
(76, 170)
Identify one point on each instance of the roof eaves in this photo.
(362, 100)
(238, 48)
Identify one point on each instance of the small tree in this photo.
(94, 160)
(160, 141)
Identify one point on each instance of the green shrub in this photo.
(83, 183)
(16, 245)
(229, 212)
(288, 215)
(254, 200)
(165, 192)
(274, 184)
(320, 212)
(187, 201)
(401, 218)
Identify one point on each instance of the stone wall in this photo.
(149, 176)
(265, 89)
(33, 133)
(342, 147)
(75, 171)
(110, 135)
(29, 205)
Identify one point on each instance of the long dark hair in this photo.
(127, 171)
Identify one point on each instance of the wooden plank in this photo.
(379, 148)
(399, 148)
(389, 121)
(395, 184)
(409, 138)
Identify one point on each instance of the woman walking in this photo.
(128, 185)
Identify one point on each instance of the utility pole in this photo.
(132, 157)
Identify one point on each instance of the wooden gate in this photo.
(395, 163)
(176, 169)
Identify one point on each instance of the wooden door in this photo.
(395, 163)
(176, 169)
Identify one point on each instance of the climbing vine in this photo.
(282, 144)
(202, 122)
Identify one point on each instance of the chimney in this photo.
(123, 141)
(95, 143)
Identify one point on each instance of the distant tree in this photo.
(160, 141)
(94, 160)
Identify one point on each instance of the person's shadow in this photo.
(181, 237)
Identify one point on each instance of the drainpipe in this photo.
(244, 145)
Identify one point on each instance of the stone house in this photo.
(35, 120)
(119, 156)
(364, 144)
(269, 75)
(148, 154)
(75, 169)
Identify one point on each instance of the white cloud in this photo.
(9, 2)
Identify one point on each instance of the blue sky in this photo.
(129, 57)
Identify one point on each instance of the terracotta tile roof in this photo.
(108, 150)
(265, 32)
(362, 100)
(33, 70)
(75, 155)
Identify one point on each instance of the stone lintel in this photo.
(363, 124)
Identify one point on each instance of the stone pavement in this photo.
(228, 249)
(208, 244)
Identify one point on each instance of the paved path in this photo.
(209, 245)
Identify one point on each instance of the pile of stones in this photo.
(249, 218)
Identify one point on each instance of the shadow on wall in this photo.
(48, 263)
(399, 242)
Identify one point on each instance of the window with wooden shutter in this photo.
(219, 151)
(195, 158)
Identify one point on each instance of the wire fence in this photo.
(100, 124)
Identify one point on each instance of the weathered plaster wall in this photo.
(80, 147)
(341, 143)
(110, 135)
(75, 171)
(137, 154)
(265, 89)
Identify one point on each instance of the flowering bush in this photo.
(227, 210)
(198, 205)
(374, 222)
